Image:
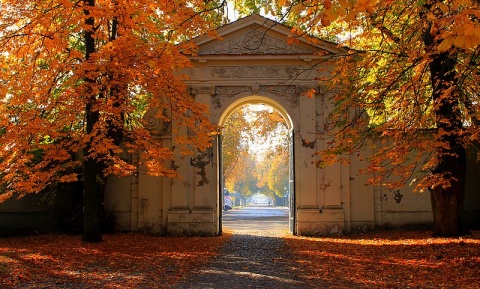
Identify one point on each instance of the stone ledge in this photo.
(197, 222)
(193, 216)
(312, 222)
(356, 227)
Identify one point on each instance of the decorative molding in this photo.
(280, 71)
(196, 90)
(190, 71)
(255, 42)
(199, 162)
(305, 87)
(155, 124)
(287, 92)
(226, 92)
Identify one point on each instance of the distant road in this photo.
(258, 220)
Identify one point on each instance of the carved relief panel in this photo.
(289, 93)
(255, 42)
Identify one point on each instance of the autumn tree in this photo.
(273, 167)
(234, 149)
(410, 77)
(246, 182)
(239, 165)
(76, 78)
(273, 174)
(255, 151)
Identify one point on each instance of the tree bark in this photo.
(91, 206)
(447, 200)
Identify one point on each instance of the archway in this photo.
(227, 73)
(256, 164)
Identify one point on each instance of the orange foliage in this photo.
(388, 260)
(48, 78)
(255, 148)
(121, 261)
(409, 77)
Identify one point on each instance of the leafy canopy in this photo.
(255, 151)
(415, 82)
(115, 59)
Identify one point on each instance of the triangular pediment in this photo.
(254, 42)
(257, 35)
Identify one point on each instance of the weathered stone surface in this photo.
(191, 222)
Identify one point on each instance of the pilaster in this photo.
(305, 148)
(332, 177)
(194, 212)
(203, 162)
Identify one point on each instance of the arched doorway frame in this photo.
(284, 109)
(255, 99)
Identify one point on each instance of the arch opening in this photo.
(256, 99)
(256, 187)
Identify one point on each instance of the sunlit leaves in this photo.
(392, 93)
(123, 260)
(255, 150)
(47, 79)
(273, 173)
(388, 260)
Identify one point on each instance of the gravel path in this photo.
(252, 258)
(247, 261)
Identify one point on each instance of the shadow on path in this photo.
(254, 257)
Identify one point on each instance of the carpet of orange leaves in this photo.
(128, 260)
(388, 260)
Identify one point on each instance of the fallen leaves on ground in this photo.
(129, 260)
(388, 260)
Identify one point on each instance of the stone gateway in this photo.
(252, 63)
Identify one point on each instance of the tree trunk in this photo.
(91, 206)
(447, 200)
